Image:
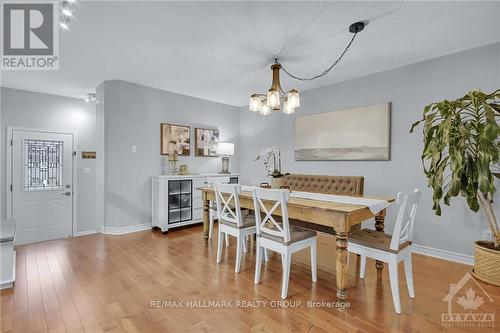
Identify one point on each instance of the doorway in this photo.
(41, 184)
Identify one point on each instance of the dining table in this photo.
(337, 215)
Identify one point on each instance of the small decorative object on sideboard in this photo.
(172, 163)
(272, 161)
(183, 169)
(461, 156)
(225, 149)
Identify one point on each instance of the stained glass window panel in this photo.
(43, 164)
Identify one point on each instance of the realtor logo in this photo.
(469, 294)
(30, 35)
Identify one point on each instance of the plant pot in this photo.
(487, 263)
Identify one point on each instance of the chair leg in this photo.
(283, 261)
(314, 263)
(362, 268)
(227, 240)
(244, 240)
(239, 243)
(393, 277)
(286, 274)
(211, 224)
(219, 245)
(258, 264)
(409, 275)
(266, 255)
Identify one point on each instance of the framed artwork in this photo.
(174, 138)
(206, 141)
(357, 134)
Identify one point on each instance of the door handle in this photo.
(66, 193)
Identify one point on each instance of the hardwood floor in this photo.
(101, 283)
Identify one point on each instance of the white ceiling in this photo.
(221, 51)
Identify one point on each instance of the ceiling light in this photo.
(67, 12)
(91, 98)
(64, 25)
(264, 103)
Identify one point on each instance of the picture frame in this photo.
(354, 134)
(205, 142)
(175, 138)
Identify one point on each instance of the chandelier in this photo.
(276, 99)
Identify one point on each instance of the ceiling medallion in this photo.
(276, 99)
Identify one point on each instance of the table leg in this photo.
(379, 226)
(206, 217)
(342, 268)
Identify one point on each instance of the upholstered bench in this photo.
(341, 185)
(7, 253)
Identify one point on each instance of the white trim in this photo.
(10, 135)
(125, 230)
(444, 254)
(85, 233)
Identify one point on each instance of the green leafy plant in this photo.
(461, 152)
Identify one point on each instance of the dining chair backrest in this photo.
(403, 229)
(215, 180)
(275, 199)
(228, 203)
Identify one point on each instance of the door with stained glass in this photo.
(42, 185)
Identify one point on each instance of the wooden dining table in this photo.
(339, 216)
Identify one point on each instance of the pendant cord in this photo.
(326, 71)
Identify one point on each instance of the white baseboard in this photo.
(125, 230)
(84, 233)
(443, 254)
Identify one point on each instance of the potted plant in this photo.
(272, 162)
(461, 157)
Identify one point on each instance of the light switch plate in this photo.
(134, 148)
(87, 170)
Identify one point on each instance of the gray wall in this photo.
(409, 88)
(133, 114)
(41, 111)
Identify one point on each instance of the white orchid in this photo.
(266, 155)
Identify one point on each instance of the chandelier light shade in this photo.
(265, 110)
(293, 98)
(254, 103)
(287, 107)
(273, 98)
(272, 101)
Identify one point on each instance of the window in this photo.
(43, 164)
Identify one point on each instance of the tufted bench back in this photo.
(343, 185)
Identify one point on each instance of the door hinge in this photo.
(11, 142)
(74, 153)
(11, 187)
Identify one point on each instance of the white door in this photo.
(42, 185)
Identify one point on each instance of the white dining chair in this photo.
(280, 237)
(231, 220)
(212, 211)
(391, 249)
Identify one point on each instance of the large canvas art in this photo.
(361, 133)
(174, 138)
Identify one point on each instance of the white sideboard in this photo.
(177, 202)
